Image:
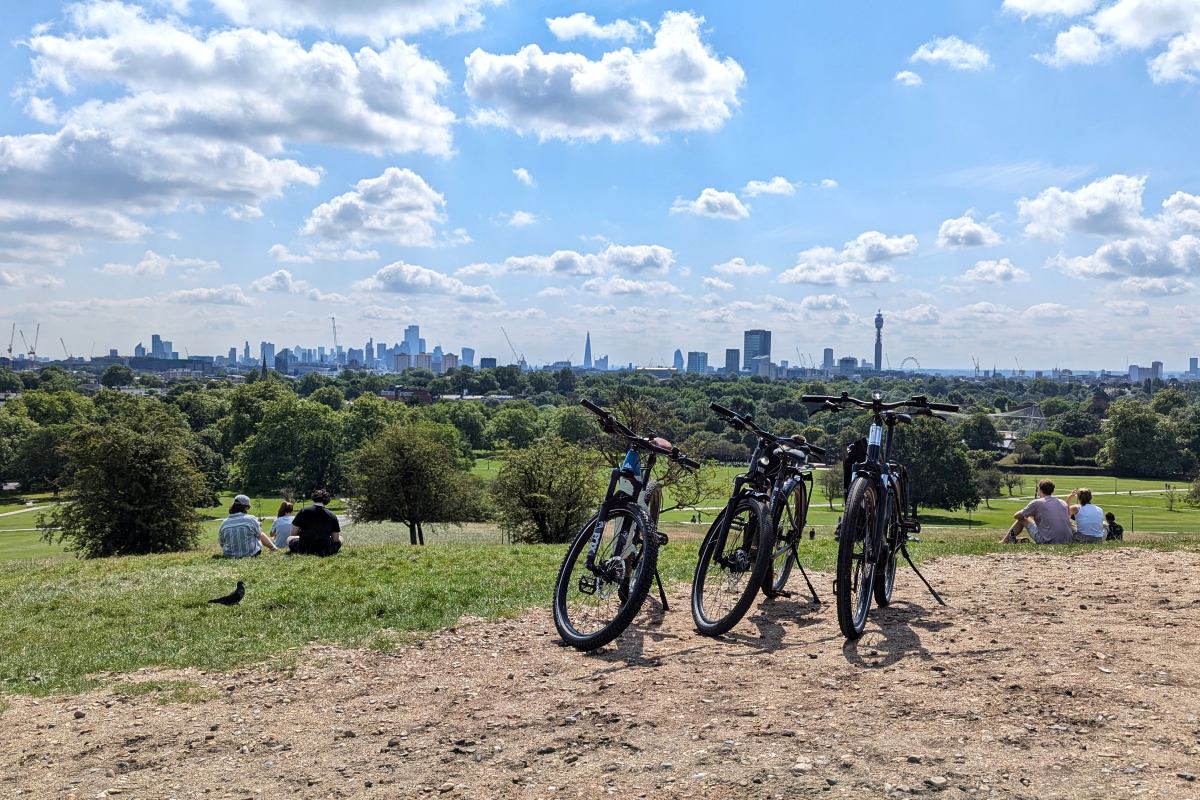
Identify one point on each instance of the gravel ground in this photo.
(1046, 677)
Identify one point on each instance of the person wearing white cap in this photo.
(241, 536)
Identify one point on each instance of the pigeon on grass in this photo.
(233, 598)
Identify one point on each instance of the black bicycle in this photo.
(754, 541)
(606, 574)
(876, 526)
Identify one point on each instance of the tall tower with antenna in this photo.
(587, 352)
(879, 341)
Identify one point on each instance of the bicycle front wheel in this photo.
(728, 577)
(855, 570)
(885, 578)
(591, 608)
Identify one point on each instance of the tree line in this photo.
(412, 464)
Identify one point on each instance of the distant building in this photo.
(139, 351)
(401, 362)
(487, 363)
(587, 351)
(828, 364)
(468, 357)
(1139, 374)
(356, 357)
(879, 340)
(733, 361)
(267, 352)
(1193, 366)
(601, 364)
(764, 367)
(756, 344)
(697, 362)
(847, 365)
(423, 361)
(449, 361)
(678, 360)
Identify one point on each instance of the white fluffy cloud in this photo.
(1141, 257)
(617, 285)
(738, 266)
(954, 53)
(1108, 207)
(228, 295)
(1126, 25)
(717, 285)
(524, 177)
(50, 234)
(908, 78)
(1127, 308)
(646, 259)
(824, 302)
(711, 203)
(397, 207)
(863, 260)
(520, 219)
(995, 272)
(776, 185)
(409, 279)
(583, 25)
(375, 19)
(924, 314)
(967, 232)
(155, 266)
(282, 281)
(678, 84)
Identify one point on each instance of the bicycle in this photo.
(771, 496)
(598, 595)
(875, 527)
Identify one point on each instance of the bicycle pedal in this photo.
(780, 594)
(909, 537)
(587, 584)
(662, 539)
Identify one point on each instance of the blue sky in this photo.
(991, 174)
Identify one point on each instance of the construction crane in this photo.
(70, 357)
(32, 350)
(1018, 366)
(11, 339)
(800, 356)
(519, 358)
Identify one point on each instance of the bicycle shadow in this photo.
(893, 634)
(628, 651)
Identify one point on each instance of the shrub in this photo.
(545, 493)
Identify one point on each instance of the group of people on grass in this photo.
(312, 531)
(1049, 520)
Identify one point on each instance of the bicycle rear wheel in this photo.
(855, 572)
(789, 528)
(725, 583)
(590, 610)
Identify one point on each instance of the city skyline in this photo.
(815, 163)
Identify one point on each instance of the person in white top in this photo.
(1089, 518)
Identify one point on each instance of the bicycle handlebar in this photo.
(831, 402)
(739, 422)
(612, 425)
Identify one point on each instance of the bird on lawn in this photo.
(233, 598)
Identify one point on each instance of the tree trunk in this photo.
(412, 533)
(421, 534)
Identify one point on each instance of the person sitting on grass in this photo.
(241, 536)
(1089, 518)
(315, 530)
(1046, 519)
(1113, 529)
(281, 528)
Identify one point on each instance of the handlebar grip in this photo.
(590, 406)
(722, 410)
(813, 398)
(943, 407)
(690, 463)
(817, 451)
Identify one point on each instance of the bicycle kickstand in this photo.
(816, 599)
(932, 591)
(661, 592)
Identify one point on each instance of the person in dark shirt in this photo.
(315, 530)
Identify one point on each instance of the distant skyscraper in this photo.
(678, 359)
(487, 363)
(139, 351)
(412, 340)
(468, 357)
(828, 365)
(381, 351)
(233, 355)
(267, 352)
(246, 354)
(601, 364)
(756, 344)
(879, 340)
(1193, 366)
(587, 352)
(437, 358)
(697, 362)
(112, 353)
(733, 361)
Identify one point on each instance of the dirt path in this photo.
(1016, 690)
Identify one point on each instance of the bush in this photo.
(545, 494)
(133, 488)
(1049, 454)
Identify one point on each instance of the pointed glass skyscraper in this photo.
(587, 352)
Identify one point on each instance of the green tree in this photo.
(1049, 454)
(566, 380)
(466, 416)
(202, 408)
(545, 493)
(51, 408)
(832, 483)
(979, 432)
(988, 482)
(133, 488)
(1076, 423)
(369, 416)
(310, 382)
(1066, 454)
(408, 474)
(330, 396)
(10, 381)
(514, 425)
(1168, 400)
(14, 430)
(573, 424)
(1139, 441)
(1012, 480)
(541, 381)
(116, 375)
(1053, 406)
(938, 470)
(297, 446)
(40, 462)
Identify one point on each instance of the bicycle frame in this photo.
(622, 487)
